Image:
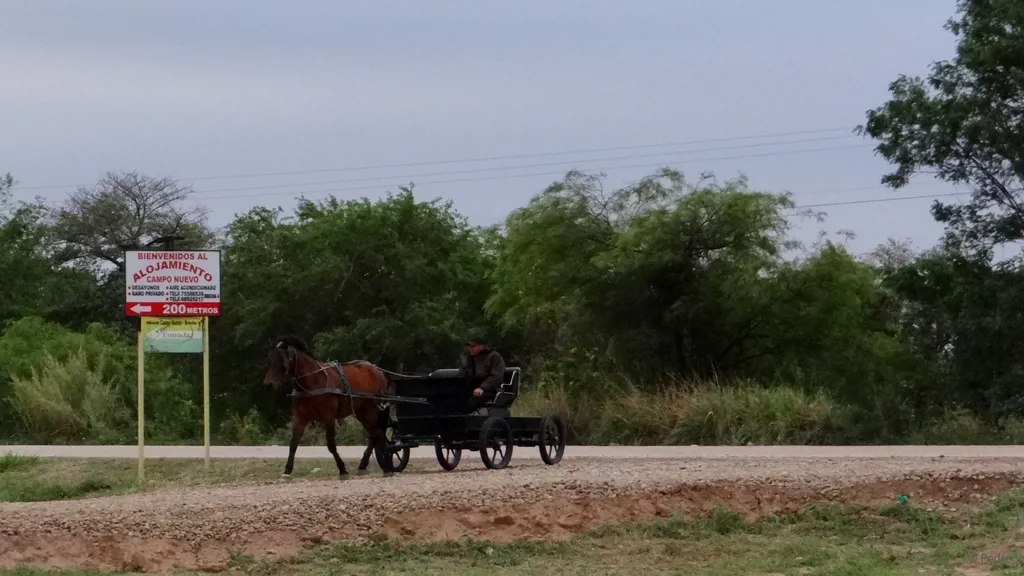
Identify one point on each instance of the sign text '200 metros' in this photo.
(172, 283)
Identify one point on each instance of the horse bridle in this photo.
(293, 369)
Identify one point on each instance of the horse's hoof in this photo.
(361, 471)
(286, 476)
(343, 473)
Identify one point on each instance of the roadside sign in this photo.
(182, 335)
(172, 283)
(180, 283)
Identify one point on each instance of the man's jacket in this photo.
(487, 368)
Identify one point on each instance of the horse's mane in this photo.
(295, 342)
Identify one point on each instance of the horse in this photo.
(289, 361)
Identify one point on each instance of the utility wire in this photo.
(533, 174)
(478, 159)
(516, 167)
(880, 200)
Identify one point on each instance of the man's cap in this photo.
(475, 336)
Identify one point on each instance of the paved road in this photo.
(519, 453)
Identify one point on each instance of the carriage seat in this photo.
(507, 392)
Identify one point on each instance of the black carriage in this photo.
(443, 418)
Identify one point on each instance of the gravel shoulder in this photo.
(194, 527)
(528, 454)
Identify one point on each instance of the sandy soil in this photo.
(194, 528)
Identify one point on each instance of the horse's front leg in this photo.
(298, 428)
(332, 446)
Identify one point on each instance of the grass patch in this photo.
(900, 539)
(38, 479)
(9, 462)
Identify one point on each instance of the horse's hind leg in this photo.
(366, 455)
(368, 418)
(332, 445)
(381, 423)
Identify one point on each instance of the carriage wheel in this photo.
(448, 458)
(551, 439)
(399, 458)
(496, 443)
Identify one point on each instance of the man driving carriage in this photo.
(484, 368)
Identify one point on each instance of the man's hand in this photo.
(477, 392)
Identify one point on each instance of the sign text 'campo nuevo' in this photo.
(172, 283)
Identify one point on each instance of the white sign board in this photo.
(172, 283)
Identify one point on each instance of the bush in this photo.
(954, 426)
(63, 385)
(71, 400)
(683, 414)
(750, 414)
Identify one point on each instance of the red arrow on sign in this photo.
(139, 308)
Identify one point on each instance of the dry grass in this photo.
(683, 413)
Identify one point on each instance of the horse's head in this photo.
(282, 362)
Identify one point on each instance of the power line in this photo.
(479, 159)
(515, 167)
(649, 165)
(545, 173)
(880, 200)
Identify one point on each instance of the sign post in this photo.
(141, 407)
(206, 392)
(174, 293)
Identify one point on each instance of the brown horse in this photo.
(290, 362)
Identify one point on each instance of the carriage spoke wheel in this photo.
(399, 458)
(552, 439)
(496, 443)
(447, 457)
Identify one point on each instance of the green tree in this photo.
(662, 276)
(963, 317)
(397, 282)
(965, 124)
(34, 283)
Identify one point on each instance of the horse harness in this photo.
(343, 389)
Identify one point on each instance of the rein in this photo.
(300, 391)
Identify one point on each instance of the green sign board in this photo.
(172, 335)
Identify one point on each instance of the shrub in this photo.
(751, 414)
(62, 384)
(954, 426)
(679, 413)
(71, 400)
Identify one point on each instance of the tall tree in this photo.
(965, 124)
(33, 283)
(398, 282)
(127, 211)
(662, 275)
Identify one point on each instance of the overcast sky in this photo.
(196, 89)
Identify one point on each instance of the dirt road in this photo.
(571, 452)
(193, 528)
